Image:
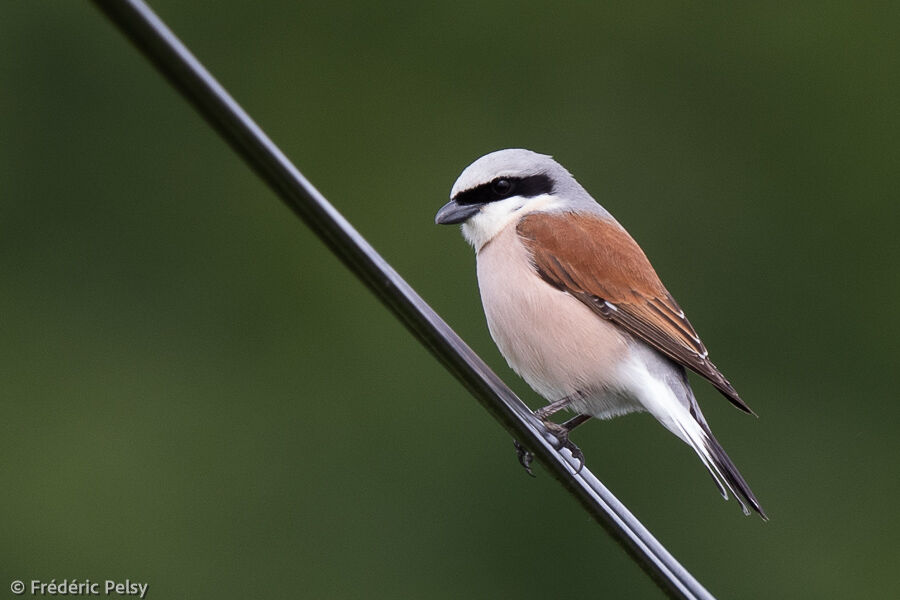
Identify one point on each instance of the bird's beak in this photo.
(453, 212)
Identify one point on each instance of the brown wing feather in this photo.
(597, 262)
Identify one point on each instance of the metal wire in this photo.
(159, 45)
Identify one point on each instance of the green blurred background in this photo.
(197, 395)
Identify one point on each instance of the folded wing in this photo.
(596, 261)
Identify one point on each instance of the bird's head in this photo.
(503, 186)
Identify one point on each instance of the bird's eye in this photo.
(502, 187)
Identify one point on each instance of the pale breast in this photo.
(553, 341)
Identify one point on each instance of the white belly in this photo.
(553, 341)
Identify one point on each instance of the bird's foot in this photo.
(561, 432)
(525, 457)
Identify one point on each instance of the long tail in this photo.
(723, 469)
(691, 427)
(666, 394)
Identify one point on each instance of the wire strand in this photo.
(172, 58)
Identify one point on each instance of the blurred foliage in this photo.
(197, 395)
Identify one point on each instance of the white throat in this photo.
(495, 216)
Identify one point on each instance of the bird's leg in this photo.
(560, 431)
(575, 422)
(554, 407)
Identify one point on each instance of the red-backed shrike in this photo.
(576, 308)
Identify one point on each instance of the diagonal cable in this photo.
(159, 45)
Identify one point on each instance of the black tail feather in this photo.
(730, 473)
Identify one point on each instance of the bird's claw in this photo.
(577, 454)
(562, 435)
(525, 457)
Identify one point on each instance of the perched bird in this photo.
(578, 311)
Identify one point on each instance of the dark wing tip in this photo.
(725, 387)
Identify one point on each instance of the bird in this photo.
(577, 310)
